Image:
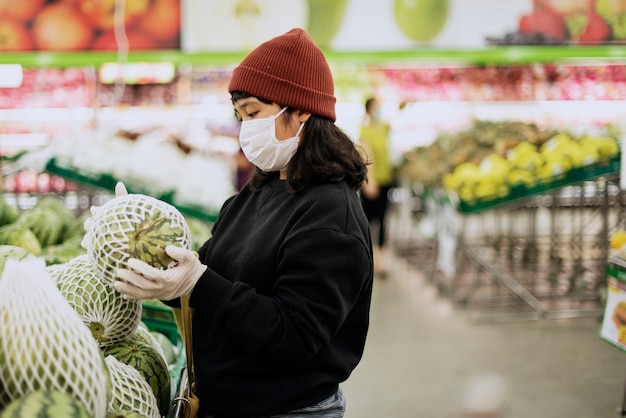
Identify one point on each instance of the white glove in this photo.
(142, 281)
(120, 190)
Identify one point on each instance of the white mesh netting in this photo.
(54, 270)
(136, 226)
(130, 391)
(109, 316)
(143, 332)
(44, 343)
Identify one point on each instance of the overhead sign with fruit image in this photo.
(339, 25)
(81, 25)
(377, 25)
(238, 25)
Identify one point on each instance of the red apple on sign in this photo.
(596, 31)
(14, 36)
(545, 22)
(23, 10)
(101, 13)
(60, 27)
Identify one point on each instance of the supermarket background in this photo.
(506, 222)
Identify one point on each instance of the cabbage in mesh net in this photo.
(130, 391)
(109, 316)
(136, 226)
(44, 343)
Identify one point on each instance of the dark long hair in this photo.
(326, 154)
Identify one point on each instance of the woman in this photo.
(374, 137)
(281, 292)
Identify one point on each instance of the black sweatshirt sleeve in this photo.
(321, 275)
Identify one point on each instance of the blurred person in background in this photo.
(374, 139)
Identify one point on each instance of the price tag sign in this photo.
(614, 321)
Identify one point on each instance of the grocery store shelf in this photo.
(522, 194)
(488, 55)
(107, 182)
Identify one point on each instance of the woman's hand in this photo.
(142, 281)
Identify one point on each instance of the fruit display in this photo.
(130, 391)
(48, 229)
(49, 347)
(493, 83)
(45, 404)
(84, 311)
(109, 316)
(493, 160)
(155, 161)
(143, 352)
(12, 252)
(136, 226)
(18, 239)
(617, 244)
(20, 236)
(8, 213)
(71, 25)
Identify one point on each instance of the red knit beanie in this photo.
(289, 70)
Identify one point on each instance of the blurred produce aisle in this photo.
(507, 133)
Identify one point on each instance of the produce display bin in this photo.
(108, 182)
(518, 193)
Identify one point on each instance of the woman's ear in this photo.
(302, 116)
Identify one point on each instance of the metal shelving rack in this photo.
(536, 256)
(542, 257)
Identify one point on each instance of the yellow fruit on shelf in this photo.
(467, 173)
(451, 182)
(552, 170)
(485, 190)
(591, 154)
(494, 169)
(608, 148)
(574, 154)
(519, 177)
(618, 240)
(466, 194)
(520, 149)
(530, 161)
(556, 141)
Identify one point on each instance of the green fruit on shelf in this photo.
(45, 403)
(325, 19)
(421, 20)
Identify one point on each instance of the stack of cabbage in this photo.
(77, 346)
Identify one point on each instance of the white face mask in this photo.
(257, 138)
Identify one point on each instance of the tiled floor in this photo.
(423, 356)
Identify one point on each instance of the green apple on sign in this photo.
(421, 20)
(325, 19)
